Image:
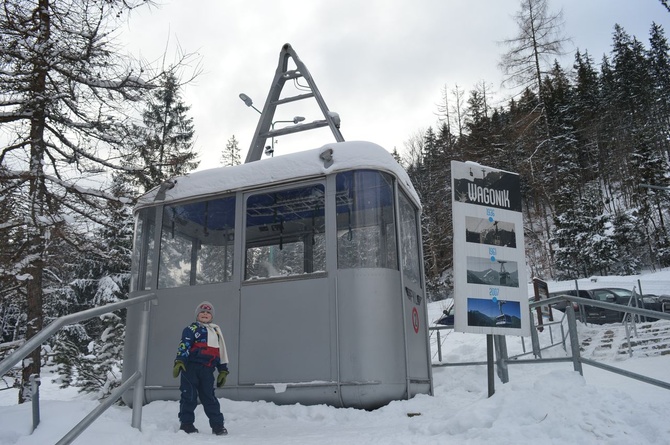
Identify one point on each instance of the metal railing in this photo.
(575, 357)
(138, 377)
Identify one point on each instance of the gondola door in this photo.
(284, 308)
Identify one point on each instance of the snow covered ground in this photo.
(542, 403)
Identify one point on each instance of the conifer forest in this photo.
(591, 144)
(87, 130)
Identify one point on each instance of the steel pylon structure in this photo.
(264, 128)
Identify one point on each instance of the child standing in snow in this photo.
(202, 348)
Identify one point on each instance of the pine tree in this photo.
(396, 156)
(628, 237)
(231, 154)
(428, 169)
(582, 239)
(586, 104)
(659, 61)
(164, 146)
(562, 169)
(478, 141)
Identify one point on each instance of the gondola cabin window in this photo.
(409, 239)
(365, 220)
(197, 241)
(143, 250)
(285, 233)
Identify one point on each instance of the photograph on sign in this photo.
(489, 231)
(494, 313)
(492, 272)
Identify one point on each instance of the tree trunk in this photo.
(32, 363)
(37, 240)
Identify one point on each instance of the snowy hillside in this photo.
(542, 404)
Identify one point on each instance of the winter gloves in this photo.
(221, 379)
(178, 367)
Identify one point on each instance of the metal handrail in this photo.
(576, 357)
(46, 333)
(602, 304)
(109, 401)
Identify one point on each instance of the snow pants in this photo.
(198, 381)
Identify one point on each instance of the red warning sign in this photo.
(415, 320)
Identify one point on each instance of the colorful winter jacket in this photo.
(193, 348)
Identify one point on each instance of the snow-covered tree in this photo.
(659, 62)
(66, 96)
(89, 354)
(583, 238)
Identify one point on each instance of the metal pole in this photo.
(582, 310)
(574, 341)
(138, 394)
(534, 339)
(630, 349)
(35, 398)
(439, 347)
(489, 364)
(639, 285)
(563, 335)
(501, 352)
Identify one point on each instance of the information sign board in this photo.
(490, 279)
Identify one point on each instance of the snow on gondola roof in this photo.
(282, 169)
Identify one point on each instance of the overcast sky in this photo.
(381, 64)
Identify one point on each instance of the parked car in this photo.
(627, 297)
(447, 317)
(562, 304)
(592, 314)
(665, 302)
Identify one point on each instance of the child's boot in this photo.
(219, 430)
(188, 428)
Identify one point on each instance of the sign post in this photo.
(490, 279)
(541, 290)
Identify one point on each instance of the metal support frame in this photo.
(35, 398)
(439, 347)
(138, 394)
(534, 338)
(500, 344)
(264, 128)
(574, 340)
(489, 365)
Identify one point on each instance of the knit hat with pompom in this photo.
(205, 306)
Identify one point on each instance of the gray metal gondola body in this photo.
(313, 263)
